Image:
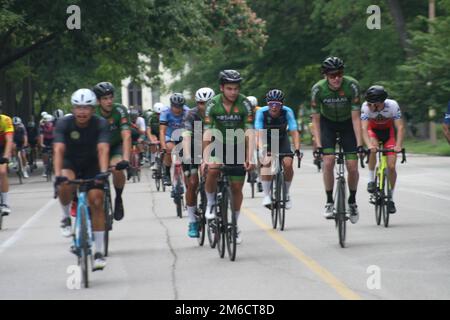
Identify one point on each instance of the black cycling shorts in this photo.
(328, 133)
(83, 170)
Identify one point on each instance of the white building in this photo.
(141, 96)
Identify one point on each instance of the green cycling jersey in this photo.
(118, 120)
(239, 117)
(336, 105)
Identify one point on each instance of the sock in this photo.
(392, 195)
(371, 175)
(211, 198)
(152, 157)
(66, 210)
(191, 214)
(5, 198)
(99, 237)
(238, 213)
(330, 196)
(288, 186)
(266, 187)
(118, 192)
(352, 198)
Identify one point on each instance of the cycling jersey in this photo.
(19, 134)
(6, 128)
(46, 129)
(384, 118)
(381, 123)
(193, 129)
(173, 122)
(285, 120)
(447, 115)
(336, 105)
(153, 124)
(239, 117)
(118, 120)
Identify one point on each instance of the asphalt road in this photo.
(152, 258)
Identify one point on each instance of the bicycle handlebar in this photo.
(403, 152)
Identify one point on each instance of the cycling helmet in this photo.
(275, 95)
(204, 94)
(103, 89)
(376, 94)
(83, 97)
(229, 76)
(58, 113)
(332, 64)
(17, 121)
(134, 113)
(48, 118)
(177, 100)
(158, 107)
(253, 101)
(43, 114)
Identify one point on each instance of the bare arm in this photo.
(365, 133)
(400, 126)
(126, 144)
(316, 126)
(103, 156)
(296, 138)
(356, 119)
(8, 146)
(58, 157)
(162, 136)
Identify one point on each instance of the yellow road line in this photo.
(324, 274)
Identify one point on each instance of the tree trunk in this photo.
(400, 25)
(156, 87)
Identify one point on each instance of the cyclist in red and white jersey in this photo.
(379, 117)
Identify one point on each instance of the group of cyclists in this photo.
(228, 128)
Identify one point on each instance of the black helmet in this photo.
(275, 95)
(102, 89)
(229, 76)
(331, 64)
(177, 99)
(376, 94)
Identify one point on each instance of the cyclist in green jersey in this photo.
(120, 143)
(336, 109)
(228, 115)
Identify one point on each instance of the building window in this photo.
(135, 95)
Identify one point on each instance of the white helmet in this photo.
(204, 94)
(253, 101)
(158, 107)
(84, 97)
(48, 118)
(58, 113)
(17, 120)
(43, 114)
(67, 115)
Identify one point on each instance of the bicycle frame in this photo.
(82, 203)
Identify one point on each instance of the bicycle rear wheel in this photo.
(386, 197)
(274, 210)
(341, 214)
(19, 170)
(212, 233)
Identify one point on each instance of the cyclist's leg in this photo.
(328, 138)
(391, 160)
(349, 145)
(4, 184)
(119, 180)
(191, 182)
(95, 199)
(65, 191)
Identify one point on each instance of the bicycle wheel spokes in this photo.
(221, 222)
(340, 212)
(377, 196)
(212, 233)
(84, 247)
(108, 220)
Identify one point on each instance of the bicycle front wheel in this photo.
(84, 247)
(341, 213)
(283, 199)
(108, 220)
(221, 222)
(377, 199)
(231, 227)
(274, 210)
(386, 198)
(201, 218)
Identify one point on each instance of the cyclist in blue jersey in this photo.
(446, 124)
(170, 121)
(276, 116)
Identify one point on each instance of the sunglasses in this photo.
(275, 104)
(375, 104)
(335, 75)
